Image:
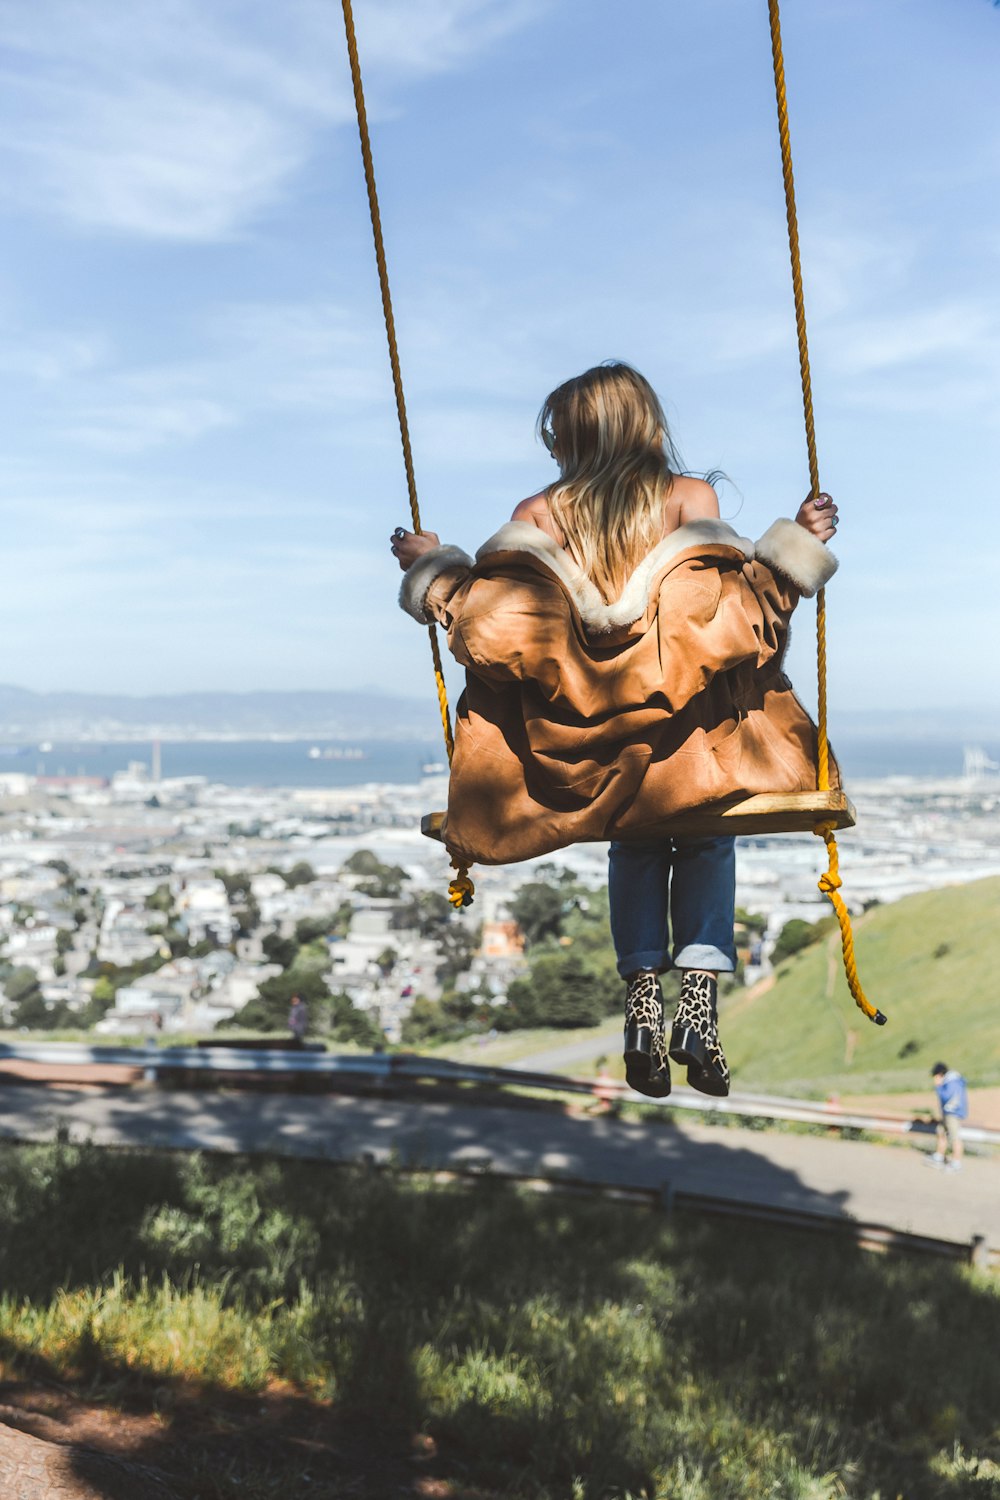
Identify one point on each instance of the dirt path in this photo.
(170, 1443)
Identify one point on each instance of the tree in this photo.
(64, 941)
(239, 887)
(97, 1006)
(561, 990)
(29, 1007)
(362, 862)
(797, 934)
(538, 909)
(426, 1019)
(34, 1012)
(22, 983)
(308, 929)
(457, 946)
(386, 961)
(268, 1010)
(753, 921)
(160, 900)
(301, 873)
(349, 1024)
(426, 912)
(386, 885)
(247, 918)
(380, 880)
(279, 950)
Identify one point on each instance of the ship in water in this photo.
(336, 752)
(977, 765)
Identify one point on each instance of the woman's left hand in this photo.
(819, 516)
(407, 546)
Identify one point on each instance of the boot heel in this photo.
(687, 1047)
(638, 1052)
(646, 1068)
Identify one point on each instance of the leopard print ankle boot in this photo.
(694, 1039)
(646, 1067)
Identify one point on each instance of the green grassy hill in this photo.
(930, 962)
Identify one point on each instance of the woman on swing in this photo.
(623, 651)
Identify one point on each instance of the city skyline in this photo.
(202, 465)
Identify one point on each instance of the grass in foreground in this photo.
(299, 1328)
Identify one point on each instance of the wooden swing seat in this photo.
(767, 812)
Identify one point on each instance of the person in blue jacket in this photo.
(953, 1105)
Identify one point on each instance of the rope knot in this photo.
(829, 882)
(462, 889)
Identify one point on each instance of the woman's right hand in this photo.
(818, 516)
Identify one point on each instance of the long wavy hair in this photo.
(617, 463)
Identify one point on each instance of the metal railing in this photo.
(382, 1069)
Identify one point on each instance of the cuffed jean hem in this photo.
(705, 956)
(693, 956)
(653, 958)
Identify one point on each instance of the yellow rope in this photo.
(830, 882)
(461, 889)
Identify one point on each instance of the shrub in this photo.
(562, 990)
(797, 934)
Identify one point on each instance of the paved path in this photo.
(562, 1059)
(874, 1184)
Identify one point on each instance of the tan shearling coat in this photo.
(583, 720)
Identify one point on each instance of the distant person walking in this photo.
(953, 1107)
(298, 1018)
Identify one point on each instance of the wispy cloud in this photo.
(164, 119)
(133, 426)
(198, 586)
(250, 359)
(953, 330)
(49, 358)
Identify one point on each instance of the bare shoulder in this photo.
(535, 511)
(532, 509)
(694, 499)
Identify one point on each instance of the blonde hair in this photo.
(609, 435)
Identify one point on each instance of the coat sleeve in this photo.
(440, 588)
(789, 563)
(429, 583)
(800, 558)
(505, 624)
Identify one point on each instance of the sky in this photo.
(200, 460)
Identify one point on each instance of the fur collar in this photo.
(523, 536)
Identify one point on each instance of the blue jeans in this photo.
(687, 885)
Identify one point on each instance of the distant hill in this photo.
(929, 962)
(26, 716)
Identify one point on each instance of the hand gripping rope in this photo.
(461, 889)
(830, 881)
